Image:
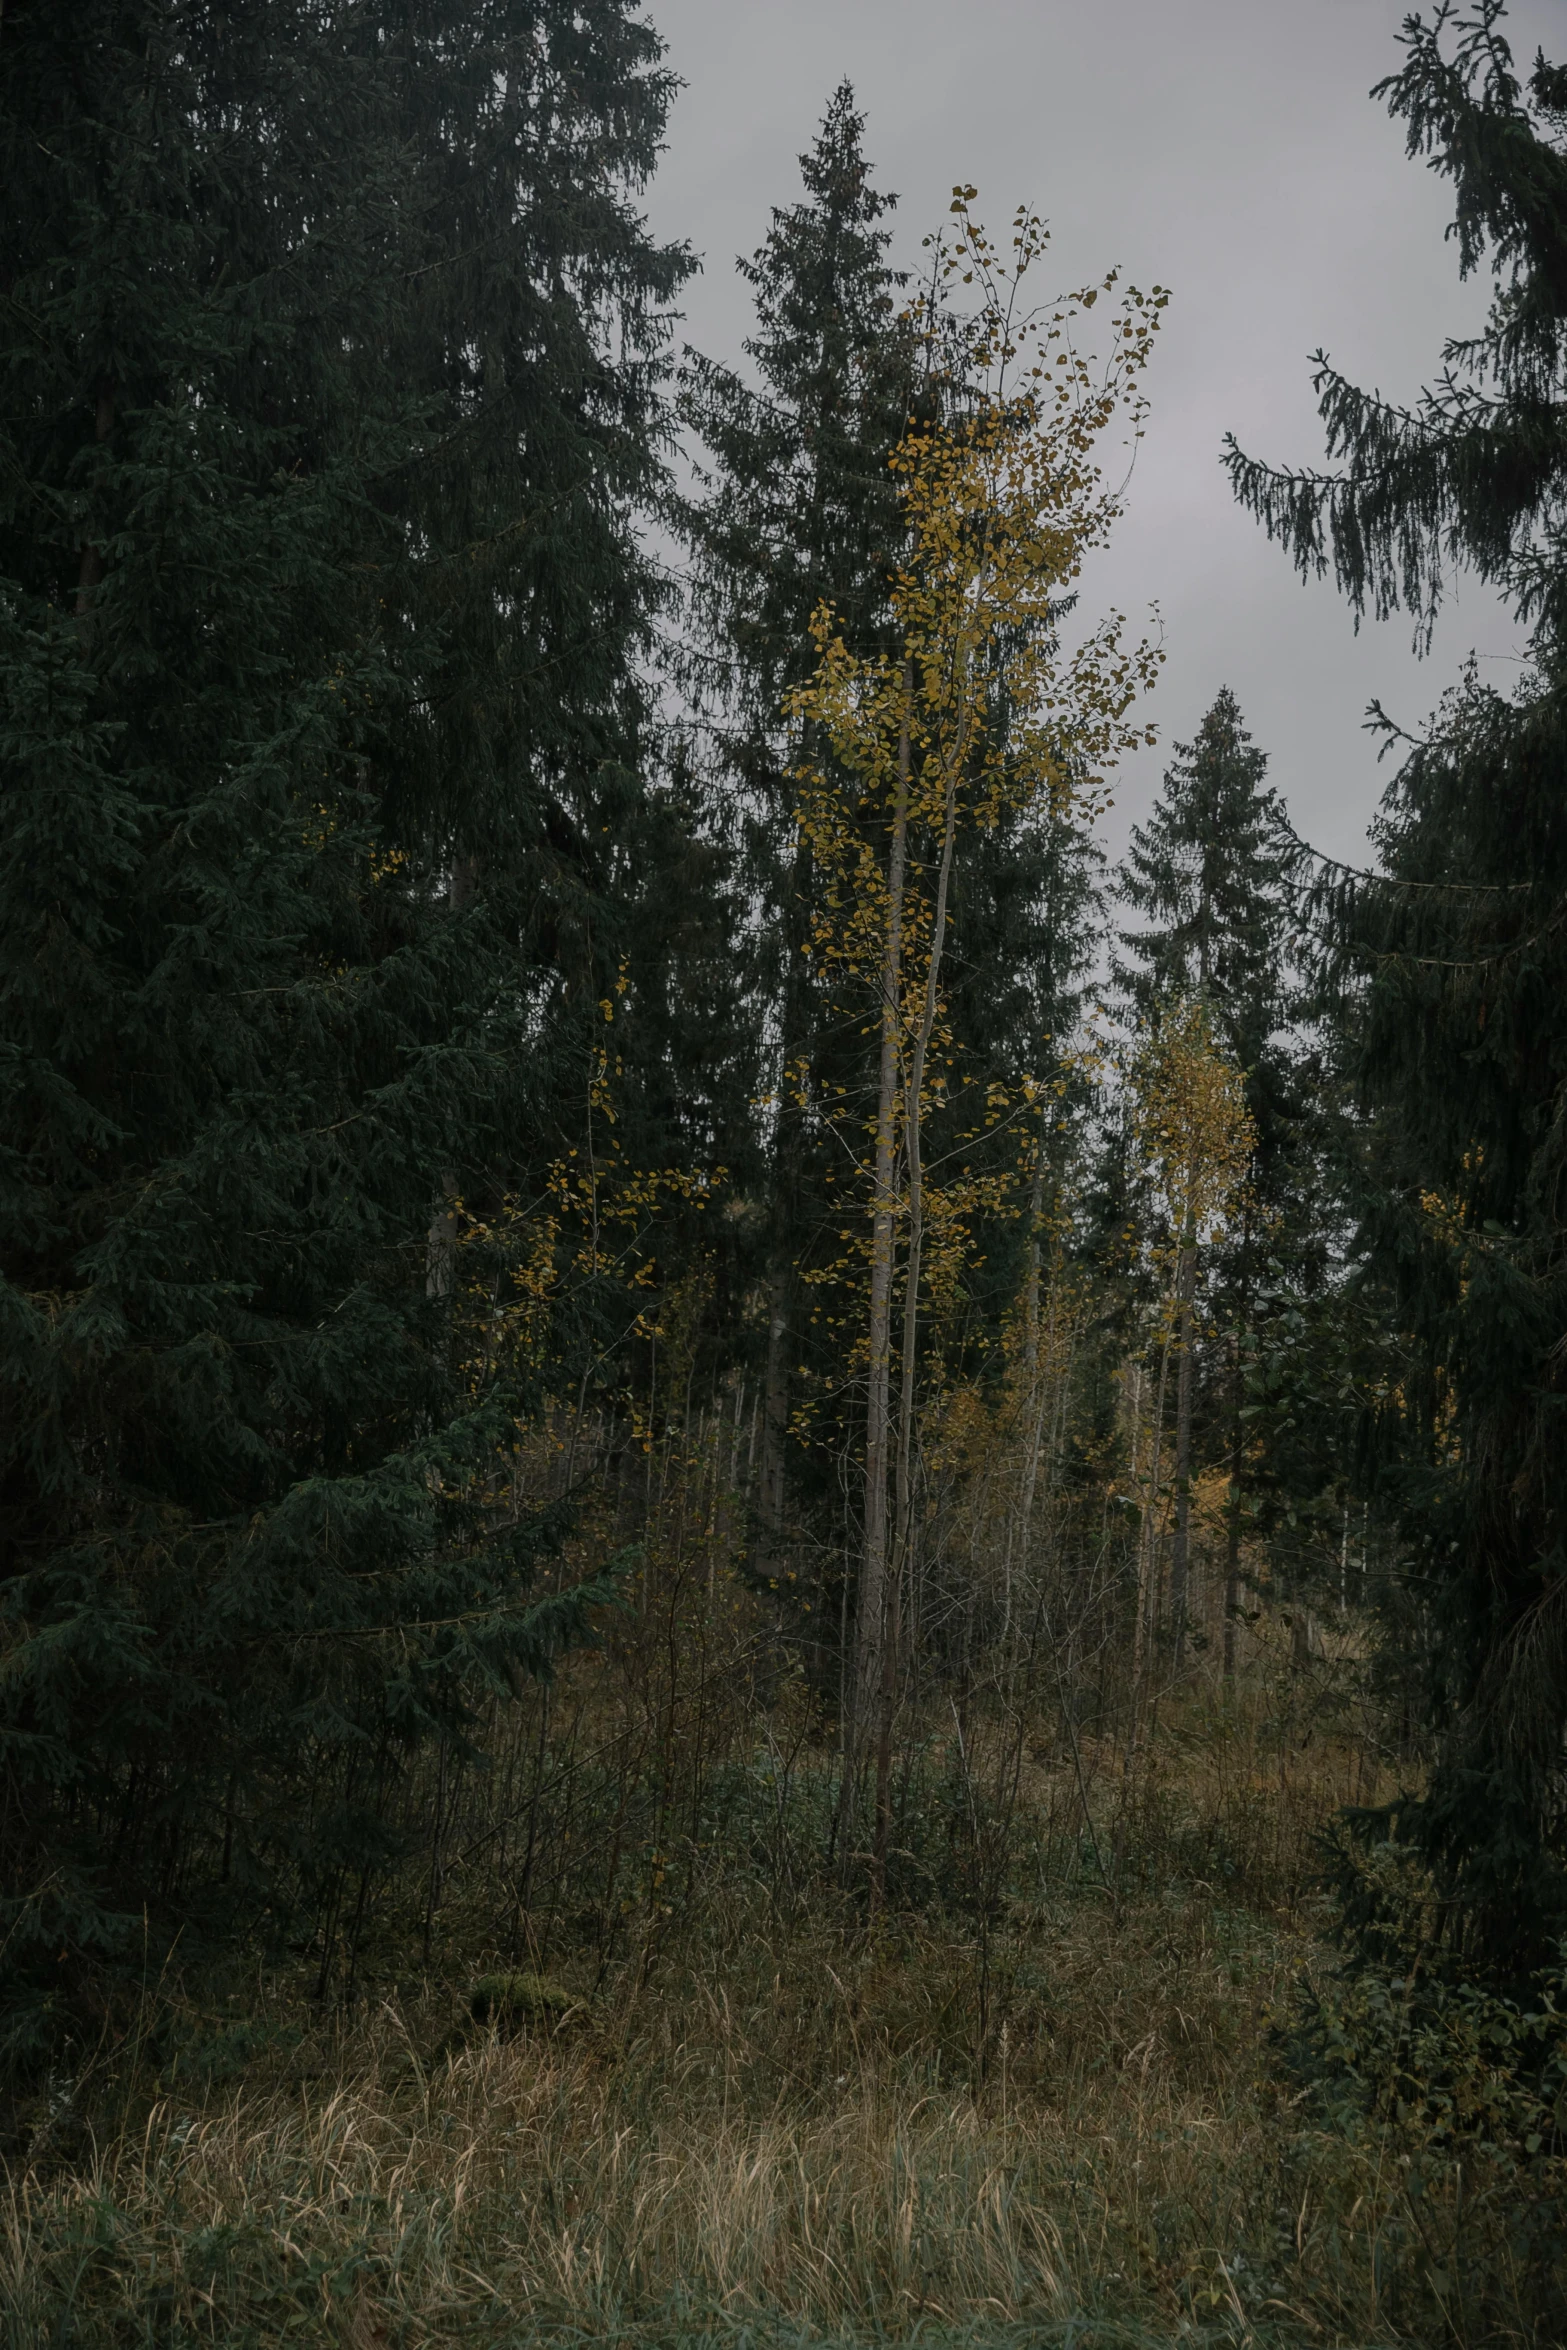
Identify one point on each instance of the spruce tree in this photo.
(1027, 931)
(797, 507)
(1452, 979)
(1207, 873)
(319, 609)
(1210, 873)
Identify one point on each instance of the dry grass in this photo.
(1069, 2123)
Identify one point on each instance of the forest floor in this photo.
(1058, 2117)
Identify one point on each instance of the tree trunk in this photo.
(1180, 1547)
(870, 1631)
(913, 1114)
(1232, 1531)
(1148, 1548)
(785, 1208)
(1031, 1373)
(775, 1405)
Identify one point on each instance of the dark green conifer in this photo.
(797, 508)
(1027, 928)
(1207, 873)
(1454, 979)
(319, 602)
(1210, 873)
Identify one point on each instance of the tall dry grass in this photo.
(1065, 2119)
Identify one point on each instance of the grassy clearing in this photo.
(1062, 2117)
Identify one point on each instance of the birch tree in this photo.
(982, 708)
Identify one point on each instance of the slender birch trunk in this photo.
(1232, 1531)
(870, 1630)
(1180, 1547)
(785, 1186)
(913, 1114)
(1031, 1287)
(1134, 1469)
(1148, 1549)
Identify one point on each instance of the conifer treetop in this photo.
(1471, 475)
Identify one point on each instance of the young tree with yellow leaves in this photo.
(1196, 1139)
(979, 712)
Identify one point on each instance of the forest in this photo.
(778, 1561)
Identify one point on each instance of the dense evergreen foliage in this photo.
(1207, 874)
(1452, 985)
(1210, 876)
(589, 1316)
(319, 606)
(798, 511)
(796, 508)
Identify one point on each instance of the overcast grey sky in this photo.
(1227, 149)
